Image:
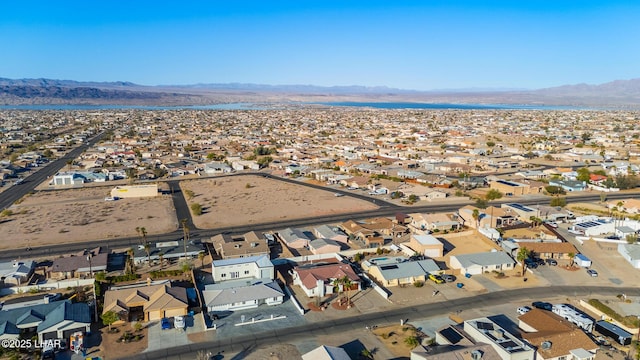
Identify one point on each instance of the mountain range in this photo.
(615, 94)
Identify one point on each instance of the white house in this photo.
(242, 294)
(478, 263)
(253, 267)
(631, 253)
(242, 283)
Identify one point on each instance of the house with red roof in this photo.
(319, 280)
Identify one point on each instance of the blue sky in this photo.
(422, 45)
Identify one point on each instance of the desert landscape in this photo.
(253, 199)
(76, 215)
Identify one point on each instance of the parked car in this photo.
(552, 224)
(449, 278)
(165, 324)
(592, 273)
(531, 263)
(542, 305)
(612, 237)
(178, 322)
(338, 194)
(523, 310)
(436, 278)
(552, 262)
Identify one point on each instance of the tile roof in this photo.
(310, 276)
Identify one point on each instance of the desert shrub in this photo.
(418, 283)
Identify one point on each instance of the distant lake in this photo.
(444, 106)
(280, 106)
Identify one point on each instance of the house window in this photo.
(246, 272)
(562, 358)
(235, 274)
(497, 267)
(223, 275)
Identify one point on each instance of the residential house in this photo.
(397, 271)
(569, 185)
(82, 264)
(458, 347)
(320, 280)
(324, 352)
(507, 345)
(555, 337)
(372, 231)
(294, 238)
(437, 221)
(242, 283)
(331, 233)
(523, 212)
(432, 194)
(426, 245)
(214, 168)
(478, 263)
(54, 320)
(631, 253)
(253, 267)
(512, 188)
(242, 294)
(168, 250)
(550, 250)
(490, 217)
(16, 272)
(146, 302)
(251, 244)
(324, 246)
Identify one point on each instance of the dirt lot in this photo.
(253, 199)
(74, 215)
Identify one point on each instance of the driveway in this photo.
(162, 339)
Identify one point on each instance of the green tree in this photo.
(558, 201)
(346, 282)
(571, 256)
(147, 249)
(631, 239)
(264, 161)
(109, 317)
(491, 144)
(100, 276)
(554, 190)
(476, 216)
(481, 203)
(186, 267)
(411, 341)
(131, 173)
(583, 174)
(190, 194)
(522, 255)
(493, 194)
(185, 233)
(196, 209)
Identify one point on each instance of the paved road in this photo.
(9, 196)
(204, 234)
(248, 343)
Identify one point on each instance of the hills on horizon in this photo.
(618, 93)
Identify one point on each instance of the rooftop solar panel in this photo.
(484, 325)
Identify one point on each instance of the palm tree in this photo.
(130, 265)
(161, 259)
(346, 282)
(201, 256)
(147, 249)
(185, 233)
(476, 217)
(338, 284)
(523, 254)
(571, 256)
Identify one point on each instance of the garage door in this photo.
(175, 312)
(155, 315)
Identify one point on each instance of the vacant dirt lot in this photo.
(74, 215)
(253, 199)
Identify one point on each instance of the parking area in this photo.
(166, 338)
